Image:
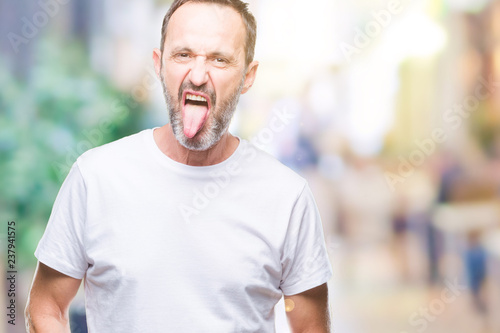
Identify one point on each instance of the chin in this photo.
(200, 142)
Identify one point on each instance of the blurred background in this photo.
(391, 111)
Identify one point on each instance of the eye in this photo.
(220, 62)
(182, 56)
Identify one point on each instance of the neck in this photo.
(168, 144)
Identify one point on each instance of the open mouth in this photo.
(195, 112)
(196, 100)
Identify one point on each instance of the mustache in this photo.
(202, 89)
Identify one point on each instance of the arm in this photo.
(49, 300)
(308, 311)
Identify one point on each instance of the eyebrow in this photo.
(181, 49)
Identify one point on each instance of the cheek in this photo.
(174, 76)
(225, 85)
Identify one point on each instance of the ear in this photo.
(157, 61)
(250, 76)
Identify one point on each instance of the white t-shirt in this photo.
(166, 247)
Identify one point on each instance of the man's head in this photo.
(204, 64)
(239, 6)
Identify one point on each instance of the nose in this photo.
(199, 72)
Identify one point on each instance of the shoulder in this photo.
(269, 169)
(113, 153)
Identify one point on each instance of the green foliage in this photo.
(63, 109)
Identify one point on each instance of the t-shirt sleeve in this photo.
(62, 244)
(305, 263)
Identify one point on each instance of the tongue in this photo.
(194, 117)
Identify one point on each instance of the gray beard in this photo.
(214, 128)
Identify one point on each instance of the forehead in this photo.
(206, 27)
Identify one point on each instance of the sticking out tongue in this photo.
(194, 117)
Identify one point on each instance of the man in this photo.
(186, 228)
